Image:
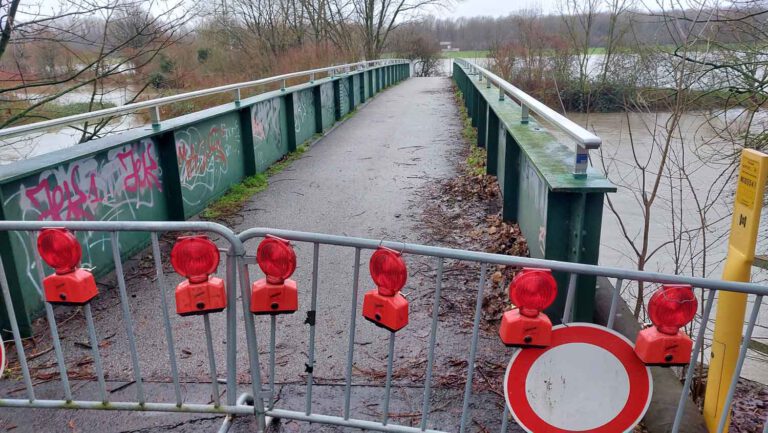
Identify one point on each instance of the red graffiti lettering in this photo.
(142, 170)
(65, 197)
(84, 186)
(258, 129)
(194, 158)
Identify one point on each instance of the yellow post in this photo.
(731, 306)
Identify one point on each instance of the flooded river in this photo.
(698, 172)
(20, 148)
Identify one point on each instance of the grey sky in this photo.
(460, 8)
(472, 8)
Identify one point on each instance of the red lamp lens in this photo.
(533, 290)
(195, 257)
(276, 259)
(672, 307)
(388, 271)
(60, 249)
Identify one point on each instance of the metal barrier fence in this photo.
(260, 401)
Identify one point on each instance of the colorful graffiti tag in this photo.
(94, 189)
(266, 123)
(209, 161)
(124, 183)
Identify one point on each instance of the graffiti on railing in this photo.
(327, 104)
(356, 88)
(93, 188)
(124, 183)
(268, 143)
(344, 89)
(206, 154)
(302, 109)
(304, 115)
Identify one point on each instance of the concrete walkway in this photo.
(362, 179)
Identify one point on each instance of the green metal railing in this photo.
(559, 213)
(172, 170)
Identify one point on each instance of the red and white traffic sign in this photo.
(588, 380)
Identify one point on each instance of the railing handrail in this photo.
(582, 136)
(154, 104)
(484, 257)
(365, 243)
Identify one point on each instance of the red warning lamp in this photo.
(275, 294)
(196, 258)
(385, 306)
(664, 344)
(531, 291)
(70, 284)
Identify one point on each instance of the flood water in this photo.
(698, 181)
(20, 148)
(701, 151)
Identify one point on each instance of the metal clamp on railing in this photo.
(154, 105)
(585, 140)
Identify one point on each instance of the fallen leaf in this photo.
(497, 277)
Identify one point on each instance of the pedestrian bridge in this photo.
(367, 147)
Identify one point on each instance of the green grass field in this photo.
(465, 54)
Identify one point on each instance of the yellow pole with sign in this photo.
(731, 306)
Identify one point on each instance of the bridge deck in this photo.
(361, 179)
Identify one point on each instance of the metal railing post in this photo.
(237, 96)
(581, 161)
(524, 115)
(154, 116)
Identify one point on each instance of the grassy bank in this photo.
(466, 54)
(234, 199)
(475, 163)
(51, 110)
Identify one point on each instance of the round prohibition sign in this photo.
(588, 380)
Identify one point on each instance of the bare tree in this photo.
(415, 43)
(665, 175)
(376, 19)
(109, 40)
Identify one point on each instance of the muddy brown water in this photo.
(698, 134)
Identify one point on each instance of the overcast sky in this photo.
(473, 8)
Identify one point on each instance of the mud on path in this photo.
(394, 171)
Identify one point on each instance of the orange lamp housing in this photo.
(70, 284)
(196, 258)
(532, 291)
(664, 344)
(385, 306)
(275, 294)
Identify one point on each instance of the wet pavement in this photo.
(365, 178)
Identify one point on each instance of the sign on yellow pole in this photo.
(731, 306)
